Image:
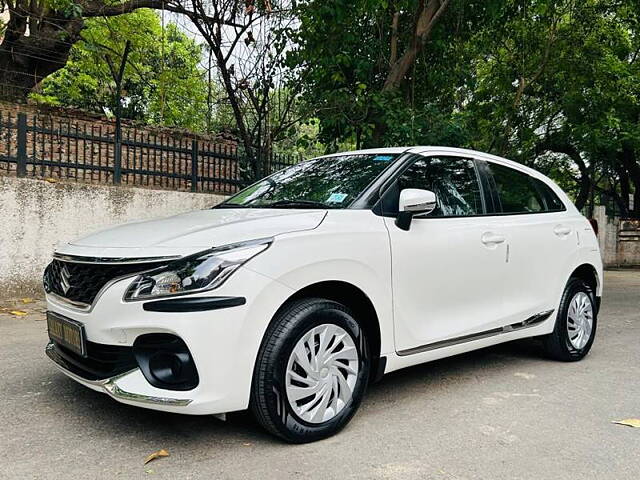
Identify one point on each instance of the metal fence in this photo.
(39, 146)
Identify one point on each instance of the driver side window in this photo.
(452, 179)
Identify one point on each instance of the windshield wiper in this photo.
(230, 205)
(295, 204)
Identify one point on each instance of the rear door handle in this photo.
(490, 238)
(562, 230)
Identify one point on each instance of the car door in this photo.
(541, 241)
(448, 268)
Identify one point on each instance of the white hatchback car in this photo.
(294, 294)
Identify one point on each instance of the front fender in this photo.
(362, 259)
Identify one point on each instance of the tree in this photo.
(552, 84)
(564, 85)
(163, 82)
(384, 72)
(248, 41)
(39, 35)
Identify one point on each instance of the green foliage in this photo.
(345, 47)
(585, 95)
(163, 83)
(552, 84)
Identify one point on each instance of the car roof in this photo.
(426, 149)
(477, 154)
(371, 151)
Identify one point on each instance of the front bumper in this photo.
(110, 385)
(223, 343)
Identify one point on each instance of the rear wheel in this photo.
(575, 328)
(311, 371)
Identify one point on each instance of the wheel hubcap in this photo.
(321, 373)
(580, 320)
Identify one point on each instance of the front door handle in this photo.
(562, 230)
(490, 238)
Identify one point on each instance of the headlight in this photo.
(195, 273)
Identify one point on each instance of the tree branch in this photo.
(95, 8)
(427, 17)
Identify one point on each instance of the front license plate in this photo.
(67, 332)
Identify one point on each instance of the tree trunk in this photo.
(632, 166)
(38, 38)
(426, 17)
(584, 190)
(238, 114)
(560, 145)
(28, 57)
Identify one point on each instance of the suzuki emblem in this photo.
(65, 276)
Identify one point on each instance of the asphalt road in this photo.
(500, 413)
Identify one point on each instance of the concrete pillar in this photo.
(600, 216)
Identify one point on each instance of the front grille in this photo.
(81, 282)
(102, 361)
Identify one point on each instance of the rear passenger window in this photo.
(516, 190)
(553, 203)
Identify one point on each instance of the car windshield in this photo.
(326, 182)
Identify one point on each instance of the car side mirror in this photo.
(414, 201)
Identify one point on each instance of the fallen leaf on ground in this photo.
(18, 313)
(158, 454)
(26, 300)
(629, 422)
(51, 180)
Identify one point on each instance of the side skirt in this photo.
(529, 322)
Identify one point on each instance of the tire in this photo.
(562, 343)
(278, 370)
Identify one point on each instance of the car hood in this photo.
(191, 232)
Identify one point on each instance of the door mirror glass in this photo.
(417, 201)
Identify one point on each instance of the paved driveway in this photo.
(501, 413)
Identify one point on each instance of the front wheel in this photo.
(575, 328)
(311, 372)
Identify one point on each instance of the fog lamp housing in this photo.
(165, 361)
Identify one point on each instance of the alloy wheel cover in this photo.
(322, 372)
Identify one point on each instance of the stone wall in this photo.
(36, 215)
(619, 240)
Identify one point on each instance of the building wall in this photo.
(36, 215)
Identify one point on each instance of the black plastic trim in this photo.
(196, 304)
(165, 361)
(529, 322)
(488, 189)
(381, 367)
(370, 195)
(104, 361)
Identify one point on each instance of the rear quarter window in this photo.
(552, 201)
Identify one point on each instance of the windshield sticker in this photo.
(382, 158)
(337, 197)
